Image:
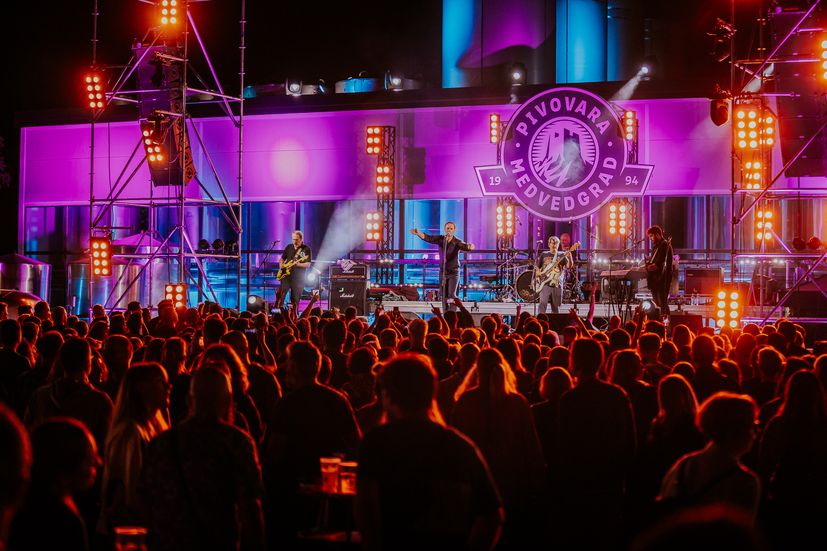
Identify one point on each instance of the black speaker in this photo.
(703, 281)
(693, 321)
(349, 293)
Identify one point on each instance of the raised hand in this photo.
(414, 231)
(435, 310)
(470, 246)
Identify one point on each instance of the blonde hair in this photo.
(492, 372)
(299, 233)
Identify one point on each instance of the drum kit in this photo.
(521, 273)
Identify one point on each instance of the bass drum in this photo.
(524, 290)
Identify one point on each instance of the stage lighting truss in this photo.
(160, 80)
(95, 94)
(373, 226)
(729, 306)
(495, 128)
(100, 255)
(384, 180)
(753, 127)
(505, 220)
(177, 293)
(153, 140)
(620, 218)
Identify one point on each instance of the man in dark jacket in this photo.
(449, 248)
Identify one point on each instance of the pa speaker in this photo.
(349, 293)
(693, 321)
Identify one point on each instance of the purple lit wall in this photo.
(320, 156)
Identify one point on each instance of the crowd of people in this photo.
(206, 427)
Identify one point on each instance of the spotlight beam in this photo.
(627, 90)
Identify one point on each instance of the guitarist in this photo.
(552, 293)
(659, 268)
(295, 281)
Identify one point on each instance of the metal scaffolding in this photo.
(171, 53)
(749, 86)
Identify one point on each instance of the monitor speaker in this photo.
(693, 321)
(349, 293)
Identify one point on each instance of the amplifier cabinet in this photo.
(703, 281)
(349, 293)
(349, 270)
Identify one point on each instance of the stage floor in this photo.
(510, 308)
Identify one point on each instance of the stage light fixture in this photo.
(823, 57)
(393, 82)
(720, 36)
(752, 174)
(754, 127)
(203, 245)
(814, 243)
(218, 246)
(799, 244)
(374, 140)
(93, 84)
(630, 126)
(100, 253)
(620, 218)
(153, 141)
(373, 226)
(517, 74)
(649, 307)
(494, 128)
(170, 15)
(256, 304)
(505, 220)
(177, 293)
(763, 225)
(293, 87)
(719, 108)
(728, 308)
(384, 179)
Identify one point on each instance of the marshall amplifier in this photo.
(348, 270)
(349, 293)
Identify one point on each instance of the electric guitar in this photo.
(551, 274)
(284, 271)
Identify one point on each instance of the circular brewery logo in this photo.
(563, 151)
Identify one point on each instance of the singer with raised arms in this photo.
(293, 265)
(449, 248)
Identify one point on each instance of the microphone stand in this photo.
(264, 263)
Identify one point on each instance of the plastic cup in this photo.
(130, 538)
(347, 477)
(330, 474)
